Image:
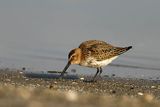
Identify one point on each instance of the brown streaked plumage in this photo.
(95, 54)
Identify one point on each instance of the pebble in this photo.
(132, 88)
(74, 83)
(50, 86)
(55, 82)
(21, 72)
(38, 85)
(153, 86)
(82, 78)
(13, 83)
(140, 93)
(26, 79)
(113, 91)
(8, 80)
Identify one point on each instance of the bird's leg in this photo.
(95, 74)
(100, 71)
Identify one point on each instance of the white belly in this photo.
(91, 62)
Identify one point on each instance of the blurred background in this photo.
(38, 34)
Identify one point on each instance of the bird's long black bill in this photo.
(64, 70)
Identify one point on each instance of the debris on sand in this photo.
(18, 91)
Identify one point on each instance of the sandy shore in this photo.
(19, 90)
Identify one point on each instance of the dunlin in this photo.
(94, 54)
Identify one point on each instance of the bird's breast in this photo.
(92, 62)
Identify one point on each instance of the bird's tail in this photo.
(128, 48)
(121, 50)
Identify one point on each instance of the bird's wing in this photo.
(89, 43)
(100, 50)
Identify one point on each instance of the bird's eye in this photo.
(74, 57)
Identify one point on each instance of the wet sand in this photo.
(18, 90)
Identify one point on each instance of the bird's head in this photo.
(74, 57)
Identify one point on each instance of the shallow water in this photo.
(39, 36)
(128, 67)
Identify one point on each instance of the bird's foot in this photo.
(100, 77)
(62, 75)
